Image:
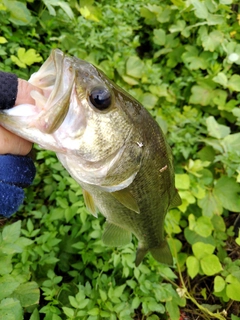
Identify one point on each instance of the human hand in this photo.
(9, 142)
(16, 170)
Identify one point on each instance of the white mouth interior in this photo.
(55, 79)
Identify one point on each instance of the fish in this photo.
(109, 143)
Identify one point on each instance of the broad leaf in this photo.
(227, 190)
(219, 284)
(201, 95)
(27, 293)
(234, 83)
(201, 249)
(215, 129)
(200, 9)
(19, 14)
(210, 205)
(210, 265)
(11, 309)
(192, 266)
(134, 67)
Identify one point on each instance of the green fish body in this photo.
(109, 144)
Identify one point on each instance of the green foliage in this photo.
(181, 60)
(17, 290)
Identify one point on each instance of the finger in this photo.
(24, 90)
(10, 143)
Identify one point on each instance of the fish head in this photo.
(85, 118)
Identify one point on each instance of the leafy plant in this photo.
(181, 60)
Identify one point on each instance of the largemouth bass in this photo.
(109, 144)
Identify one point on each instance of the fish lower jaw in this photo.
(23, 110)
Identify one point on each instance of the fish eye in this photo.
(100, 98)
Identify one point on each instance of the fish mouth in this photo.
(56, 79)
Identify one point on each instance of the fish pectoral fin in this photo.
(89, 202)
(176, 201)
(125, 197)
(160, 253)
(115, 236)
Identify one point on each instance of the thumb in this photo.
(24, 90)
(10, 143)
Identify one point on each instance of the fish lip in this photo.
(56, 80)
(57, 104)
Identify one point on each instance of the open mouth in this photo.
(55, 78)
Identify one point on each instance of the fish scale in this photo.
(109, 144)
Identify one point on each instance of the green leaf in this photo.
(35, 315)
(135, 302)
(226, 2)
(232, 289)
(234, 83)
(11, 233)
(201, 249)
(178, 3)
(221, 78)
(10, 309)
(68, 312)
(159, 37)
(210, 265)
(200, 9)
(90, 13)
(201, 95)
(182, 181)
(103, 295)
(212, 40)
(93, 312)
(50, 4)
(149, 100)
(192, 266)
(227, 190)
(232, 142)
(27, 293)
(66, 8)
(129, 80)
(155, 306)
(220, 100)
(7, 286)
(178, 27)
(204, 227)
(210, 204)
(19, 14)
(5, 264)
(28, 57)
(215, 129)
(119, 290)
(192, 59)
(219, 284)
(3, 40)
(134, 67)
(83, 304)
(173, 310)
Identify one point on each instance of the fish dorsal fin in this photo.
(115, 236)
(125, 197)
(89, 202)
(176, 201)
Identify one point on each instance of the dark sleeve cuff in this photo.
(8, 90)
(11, 197)
(16, 172)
